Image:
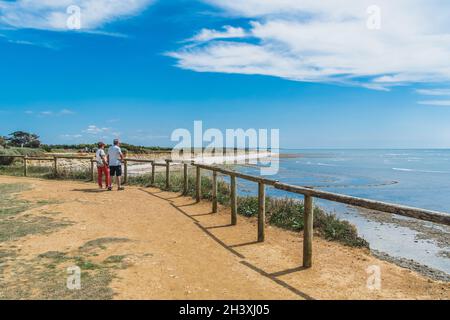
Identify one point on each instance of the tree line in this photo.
(22, 139)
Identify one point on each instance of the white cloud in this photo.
(53, 15)
(434, 92)
(229, 32)
(71, 136)
(66, 112)
(440, 103)
(94, 130)
(49, 113)
(437, 93)
(329, 41)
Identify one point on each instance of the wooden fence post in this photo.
(233, 199)
(167, 174)
(214, 192)
(55, 166)
(186, 179)
(308, 219)
(25, 166)
(261, 211)
(125, 164)
(198, 189)
(153, 173)
(92, 170)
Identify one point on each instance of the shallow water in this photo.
(419, 178)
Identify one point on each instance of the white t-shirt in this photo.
(114, 153)
(99, 157)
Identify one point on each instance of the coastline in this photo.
(423, 232)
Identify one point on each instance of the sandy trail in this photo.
(180, 250)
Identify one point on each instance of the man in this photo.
(115, 159)
(102, 166)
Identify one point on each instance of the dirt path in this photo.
(177, 249)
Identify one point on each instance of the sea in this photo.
(418, 178)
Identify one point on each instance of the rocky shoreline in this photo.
(438, 234)
(414, 266)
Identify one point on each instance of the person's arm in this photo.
(105, 159)
(122, 158)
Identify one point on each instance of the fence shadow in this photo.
(91, 190)
(231, 248)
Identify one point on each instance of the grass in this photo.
(14, 223)
(48, 273)
(45, 276)
(14, 228)
(101, 243)
(18, 152)
(65, 174)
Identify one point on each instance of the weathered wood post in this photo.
(214, 192)
(125, 165)
(167, 174)
(198, 188)
(186, 179)
(308, 219)
(153, 173)
(92, 170)
(261, 211)
(55, 166)
(233, 199)
(25, 166)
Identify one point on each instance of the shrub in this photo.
(248, 206)
(6, 161)
(287, 213)
(332, 228)
(65, 174)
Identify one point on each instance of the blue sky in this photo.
(141, 69)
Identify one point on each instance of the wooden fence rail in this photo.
(308, 193)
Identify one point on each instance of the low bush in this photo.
(6, 161)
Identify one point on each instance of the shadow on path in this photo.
(272, 276)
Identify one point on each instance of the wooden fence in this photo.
(308, 193)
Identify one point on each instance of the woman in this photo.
(102, 165)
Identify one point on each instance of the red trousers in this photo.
(103, 171)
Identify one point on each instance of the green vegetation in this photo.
(21, 139)
(92, 147)
(45, 276)
(101, 243)
(14, 223)
(6, 161)
(285, 213)
(65, 174)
